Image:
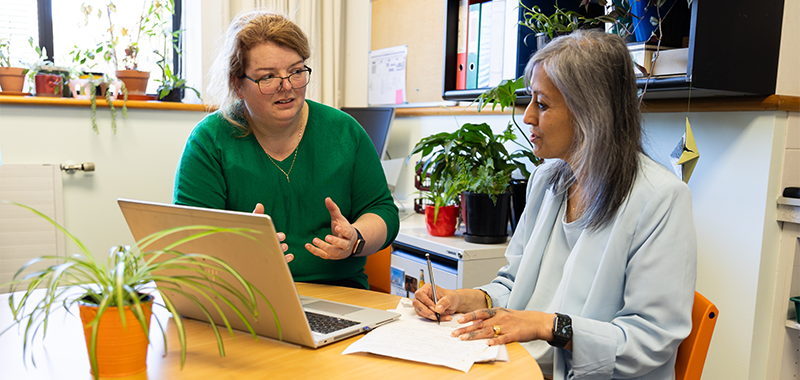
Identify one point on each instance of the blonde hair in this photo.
(247, 30)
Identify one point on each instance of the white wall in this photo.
(138, 162)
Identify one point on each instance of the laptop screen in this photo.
(377, 121)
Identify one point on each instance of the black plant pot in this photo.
(518, 188)
(486, 221)
(174, 95)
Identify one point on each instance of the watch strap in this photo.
(359, 244)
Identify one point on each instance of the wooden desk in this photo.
(63, 354)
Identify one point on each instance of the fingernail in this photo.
(463, 337)
(460, 319)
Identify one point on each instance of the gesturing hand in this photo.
(281, 236)
(339, 245)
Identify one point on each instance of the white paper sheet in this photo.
(387, 76)
(418, 339)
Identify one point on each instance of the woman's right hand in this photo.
(446, 307)
(281, 236)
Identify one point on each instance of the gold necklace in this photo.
(299, 137)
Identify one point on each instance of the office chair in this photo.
(378, 270)
(692, 351)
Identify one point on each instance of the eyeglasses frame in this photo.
(280, 85)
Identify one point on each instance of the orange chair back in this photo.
(378, 270)
(692, 351)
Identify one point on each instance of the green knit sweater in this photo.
(335, 158)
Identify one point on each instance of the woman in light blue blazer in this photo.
(601, 269)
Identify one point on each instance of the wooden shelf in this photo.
(715, 104)
(70, 102)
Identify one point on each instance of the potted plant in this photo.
(48, 79)
(485, 200)
(172, 87)
(12, 79)
(117, 292)
(87, 84)
(546, 27)
(441, 215)
(445, 155)
(152, 20)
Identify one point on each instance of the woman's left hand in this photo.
(503, 326)
(340, 244)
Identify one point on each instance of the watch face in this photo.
(563, 327)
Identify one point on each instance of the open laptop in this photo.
(262, 264)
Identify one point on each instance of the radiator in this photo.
(23, 234)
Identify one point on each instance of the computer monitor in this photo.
(377, 121)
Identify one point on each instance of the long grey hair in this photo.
(594, 72)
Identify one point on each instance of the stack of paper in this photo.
(421, 340)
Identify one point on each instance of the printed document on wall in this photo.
(387, 76)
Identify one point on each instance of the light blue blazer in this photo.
(628, 287)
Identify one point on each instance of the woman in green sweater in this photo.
(268, 149)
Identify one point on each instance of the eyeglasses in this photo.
(270, 84)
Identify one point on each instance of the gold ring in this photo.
(496, 329)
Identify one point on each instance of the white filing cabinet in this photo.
(456, 263)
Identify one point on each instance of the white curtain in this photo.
(323, 23)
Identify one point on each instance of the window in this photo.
(84, 25)
(18, 22)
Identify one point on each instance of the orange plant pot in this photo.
(121, 351)
(135, 80)
(445, 224)
(12, 79)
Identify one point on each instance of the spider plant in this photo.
(126, 278)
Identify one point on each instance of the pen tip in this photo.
(438, 319)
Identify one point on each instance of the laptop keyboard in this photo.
(324, 324)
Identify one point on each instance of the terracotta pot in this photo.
(135, 80)
(12, 79)
(120, 351)
(48, 85)
(445, 224)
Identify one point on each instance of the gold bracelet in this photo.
(488, 299)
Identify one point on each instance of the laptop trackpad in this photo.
(330, 307)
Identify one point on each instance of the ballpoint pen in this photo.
(433, 286)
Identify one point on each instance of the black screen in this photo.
(377, 121)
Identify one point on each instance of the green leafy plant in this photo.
(560, 22)
(475, 144)
(152, 20)
(5, 52)
(93, 83)
(86, 59)
(505, 95)
(125, 278)
(169, 81)
(444, 192)
(43, 65)
(485, 179)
